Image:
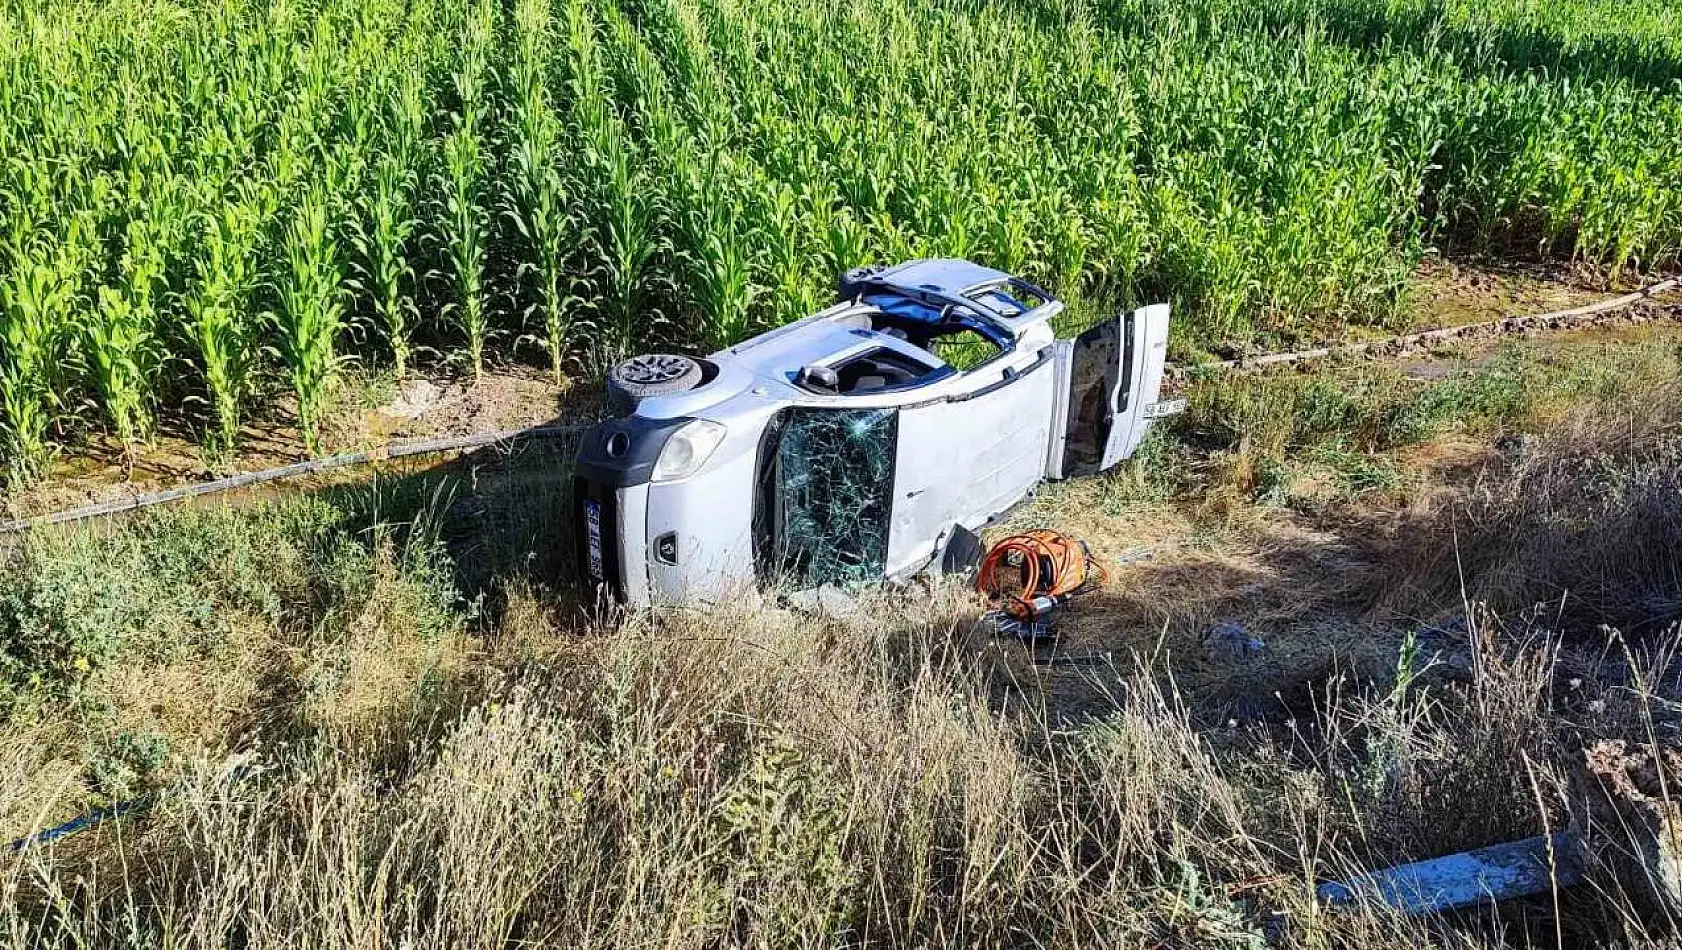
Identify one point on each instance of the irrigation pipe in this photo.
(92, 819)
(1409, 340)
(400, 450)
(238, 771)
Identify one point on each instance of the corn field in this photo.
(208, 207)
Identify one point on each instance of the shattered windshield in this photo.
(824, 495)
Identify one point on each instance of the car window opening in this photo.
(953, 341)
(880, 369)
(823, 496)
(964, 349)
(1009, 299)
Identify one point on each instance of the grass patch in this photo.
(1259, 433)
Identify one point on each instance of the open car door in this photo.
(1109, 380)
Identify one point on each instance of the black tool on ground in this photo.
(1034, 632)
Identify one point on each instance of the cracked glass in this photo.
(825, 495)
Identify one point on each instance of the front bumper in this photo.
(612, 541)
(644, 543)
(610, 495)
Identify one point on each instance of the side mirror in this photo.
(819, 377)
(852, 282)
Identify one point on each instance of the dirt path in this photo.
(367, 414)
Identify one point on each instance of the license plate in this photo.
(593, 537)
(1167, 407)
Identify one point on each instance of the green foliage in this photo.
(181, 584)
(1367, 408)
(221, 329)
(1348, 420)
(595, 178)
(785, 818)
(311, 308)
(122, 765)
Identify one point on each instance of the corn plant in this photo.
(721, 271)
(539, 205)
(464, 218)
(464, 226)
(35, 303)
(630, 242)
(224, 334)
(311, 309)
(380, 235)
(122, 334)
(45, 301)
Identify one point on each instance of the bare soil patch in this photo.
(367, 413)
(1447, 293)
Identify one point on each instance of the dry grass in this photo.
(757, 779)
(1590, 519)
(750, 777)
(747, 779)
(426, 769)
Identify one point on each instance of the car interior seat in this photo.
(866, 374)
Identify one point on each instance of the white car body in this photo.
(841, 448)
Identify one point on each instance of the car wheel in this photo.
(652, 374)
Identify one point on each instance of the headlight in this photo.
(687, 450)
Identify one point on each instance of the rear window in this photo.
(823, 496)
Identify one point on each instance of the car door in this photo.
(1108, 388)
(969, 456)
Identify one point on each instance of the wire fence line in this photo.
(434, 446)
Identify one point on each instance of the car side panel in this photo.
(967, 461)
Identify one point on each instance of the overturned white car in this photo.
(860, 443)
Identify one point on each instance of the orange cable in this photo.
(1053, 565)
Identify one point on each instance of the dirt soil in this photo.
(1258, 611)
(366, 413)
(1446, 293)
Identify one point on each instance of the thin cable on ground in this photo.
(92, 819)
(1409, 340)
(401, 450)
(241, 767)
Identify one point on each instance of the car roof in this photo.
(939, 282)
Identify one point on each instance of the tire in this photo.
(652, 374)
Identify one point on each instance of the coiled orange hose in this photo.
(1054, 567)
